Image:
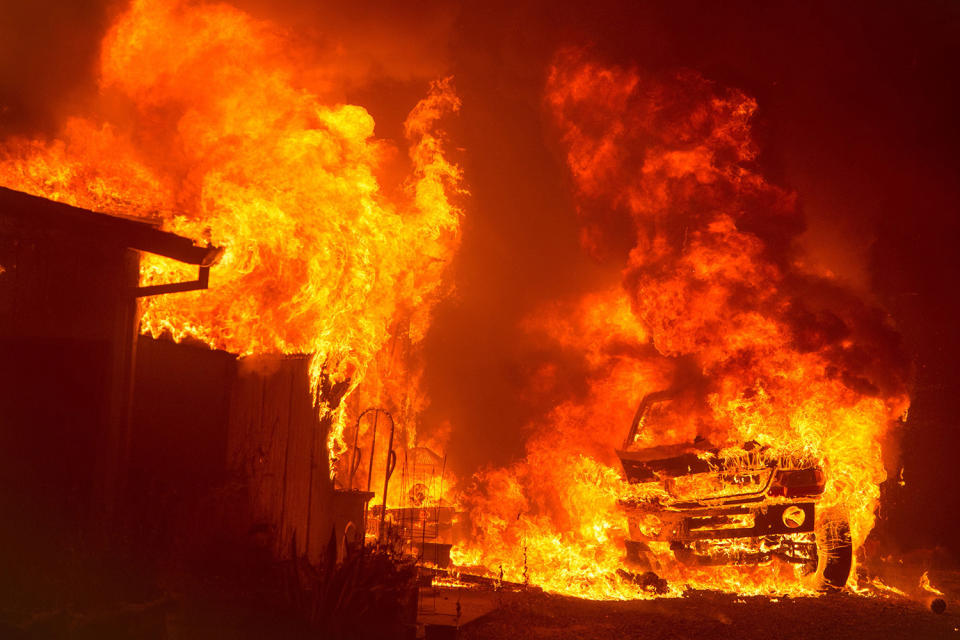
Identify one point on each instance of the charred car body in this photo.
(713, 509)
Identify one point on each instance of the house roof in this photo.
(136, 234)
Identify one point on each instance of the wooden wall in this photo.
(278, 445)
(175, 494)
(66, 336)
(224, 444)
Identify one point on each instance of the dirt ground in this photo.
(704, 616)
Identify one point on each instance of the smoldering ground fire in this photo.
(704, 373)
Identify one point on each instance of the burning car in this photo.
(702, 506)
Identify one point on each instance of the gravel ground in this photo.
(529, 615)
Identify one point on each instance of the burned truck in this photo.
(696, 505)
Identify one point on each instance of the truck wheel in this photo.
(834, 554)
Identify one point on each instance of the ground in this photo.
(526, 615)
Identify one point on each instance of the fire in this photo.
(721, 305)
(213, 124)
(927, 586)
(217, 125)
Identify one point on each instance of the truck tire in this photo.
(834, 555)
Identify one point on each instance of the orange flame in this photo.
(926, 585)
(212, 124)
(778, 356)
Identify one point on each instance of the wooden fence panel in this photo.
(295, 520)
(278, 448)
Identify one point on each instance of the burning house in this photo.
(146, 420)
(69, 331)
(114, 438)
